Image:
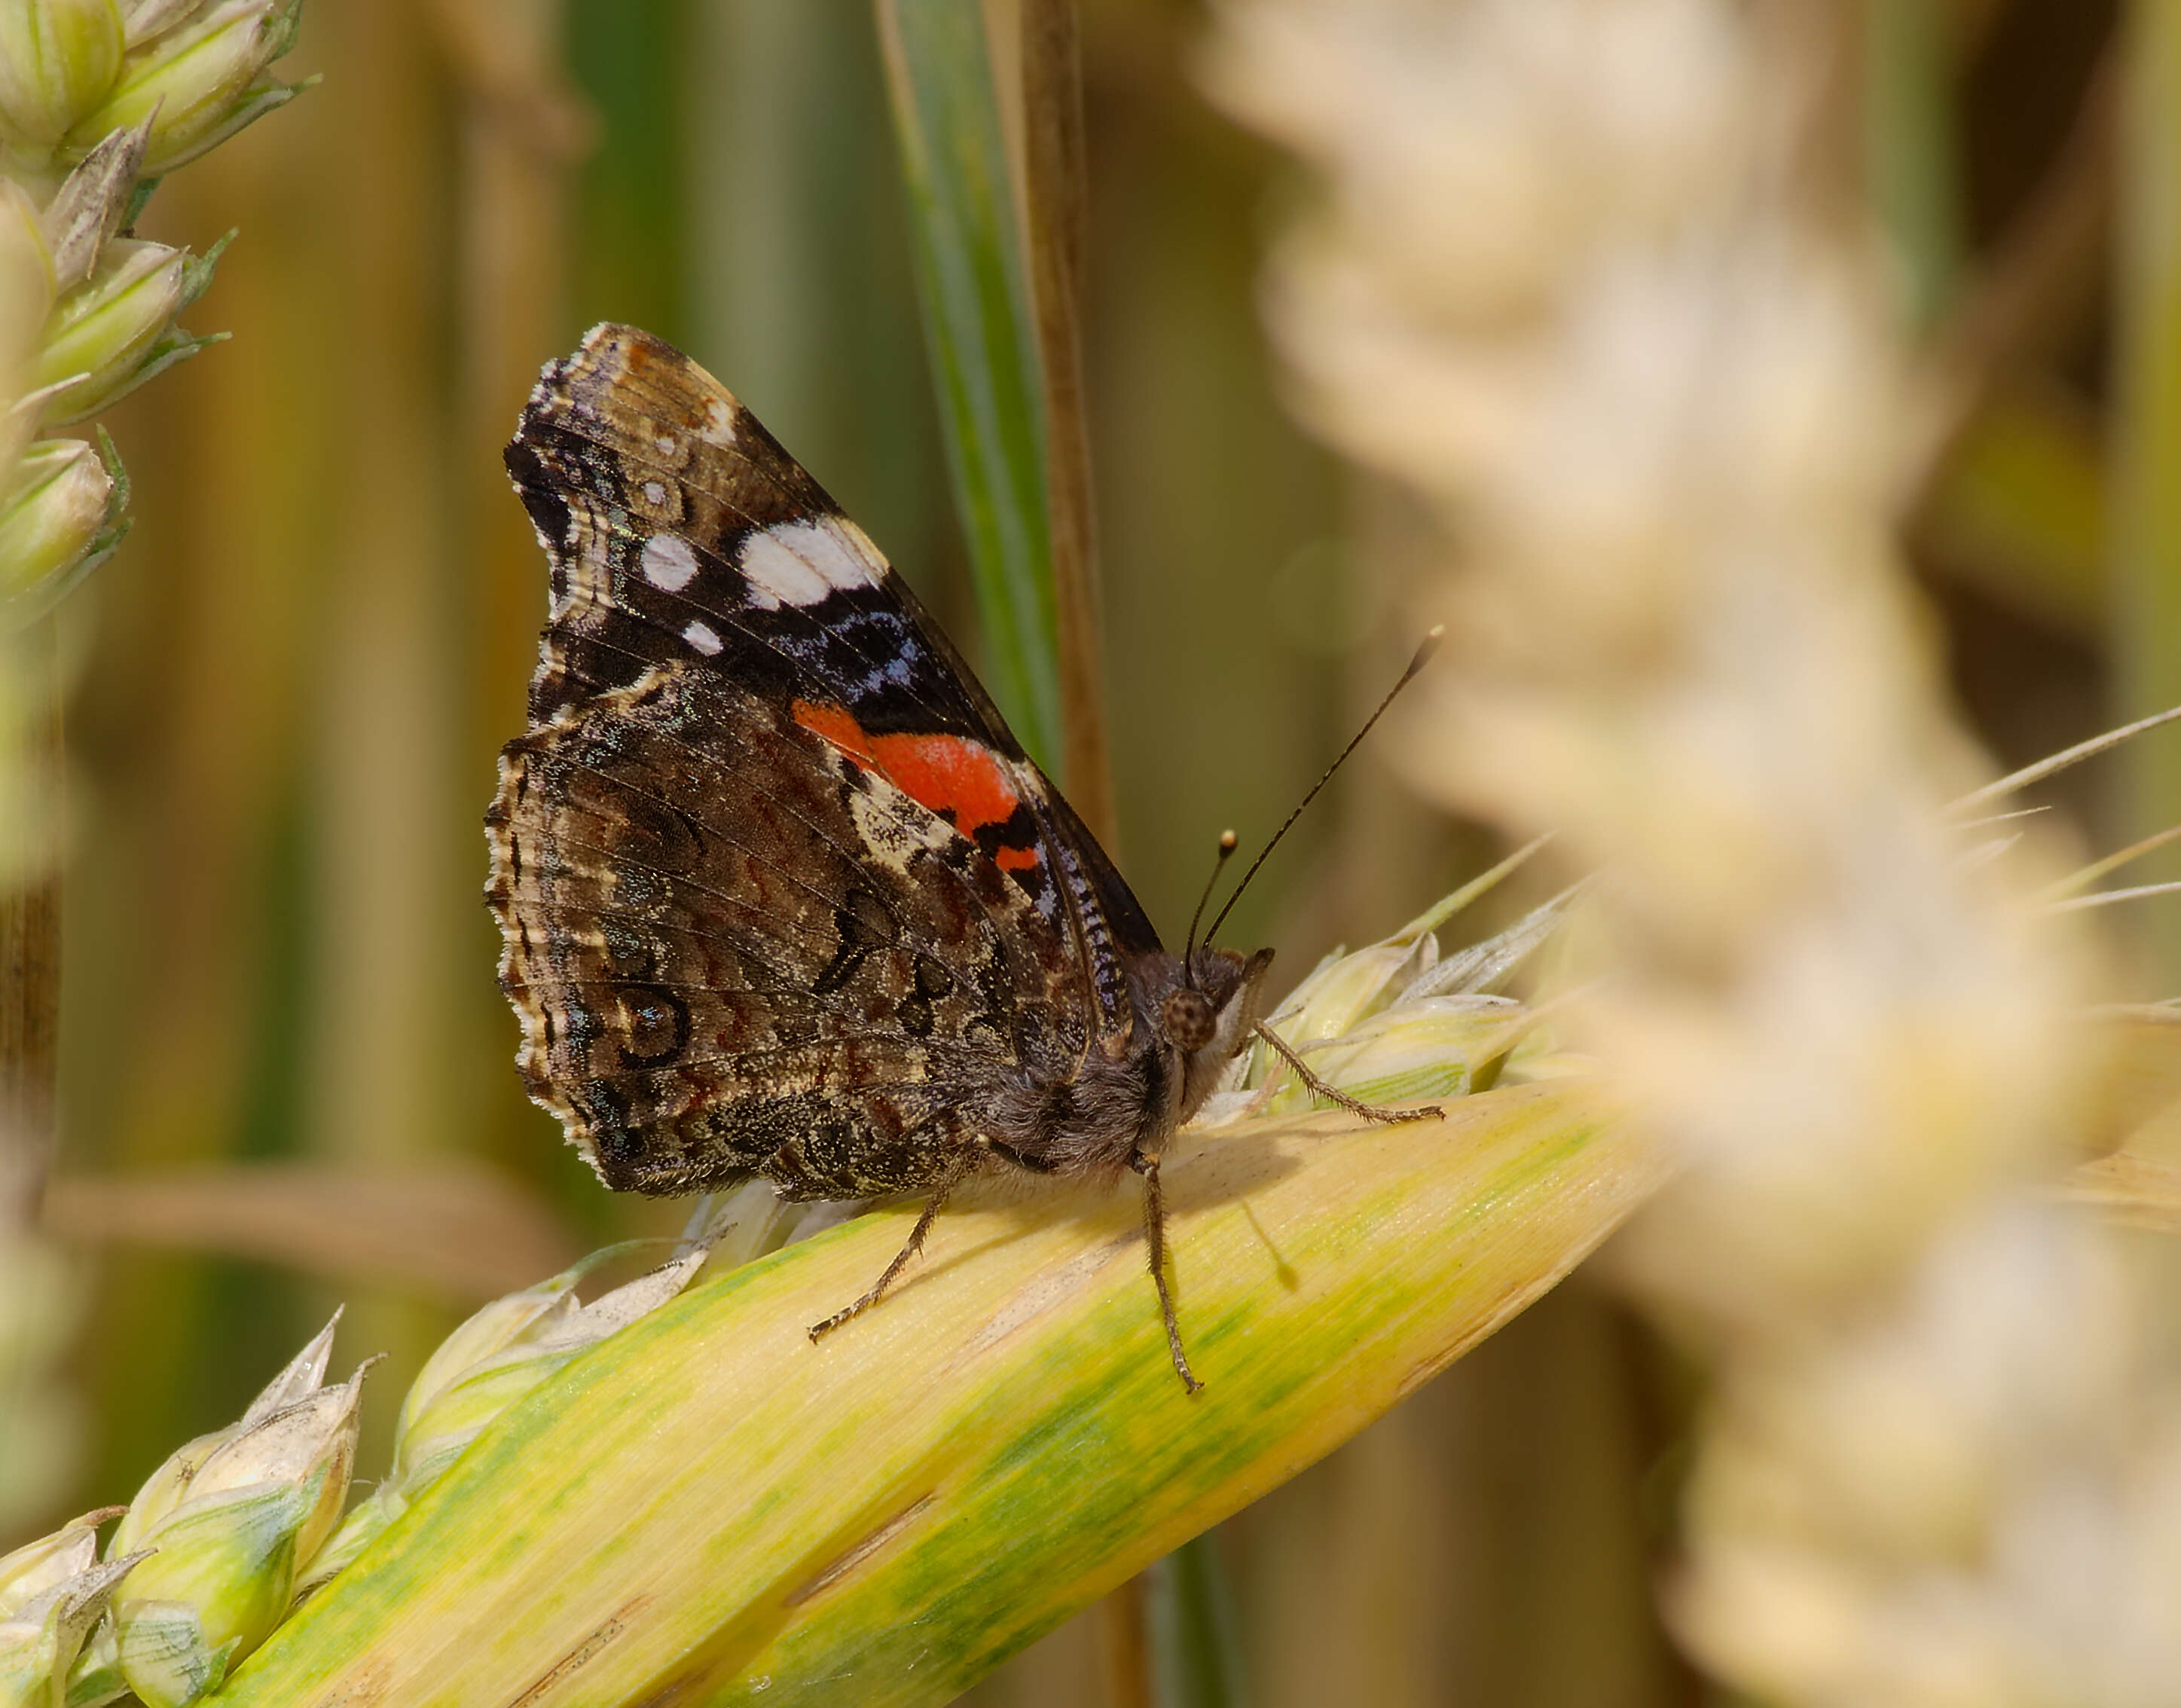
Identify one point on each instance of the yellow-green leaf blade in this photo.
(709, 1508)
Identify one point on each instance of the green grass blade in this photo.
(2144, 536)
(1198, 1655)
(978, 328)
(709, 1509)
(1908, 148)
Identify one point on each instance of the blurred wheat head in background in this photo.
(1579, 274)
(98, 100)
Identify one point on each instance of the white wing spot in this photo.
(704, 637)
(800, 563)
(718, 424)
(667, 444)
(669, 564)
(653, 493)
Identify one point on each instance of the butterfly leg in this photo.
(1155, 1237)
(1370, 1111)
(931, 1208)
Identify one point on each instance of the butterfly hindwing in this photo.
(698, 944)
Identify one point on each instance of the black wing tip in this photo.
(520, 457)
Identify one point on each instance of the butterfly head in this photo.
(1206, 1013)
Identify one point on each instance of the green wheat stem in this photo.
(2145, 536)
(1197, 1653)
(1908, 149)
(982, 343)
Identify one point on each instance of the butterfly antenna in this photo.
(1423, 656)
(1188, 950)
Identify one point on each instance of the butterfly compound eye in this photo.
(1188, 1019)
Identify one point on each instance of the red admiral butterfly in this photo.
(781, 896)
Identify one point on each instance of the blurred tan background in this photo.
(302, 662)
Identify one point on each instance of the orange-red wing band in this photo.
(954, 776)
